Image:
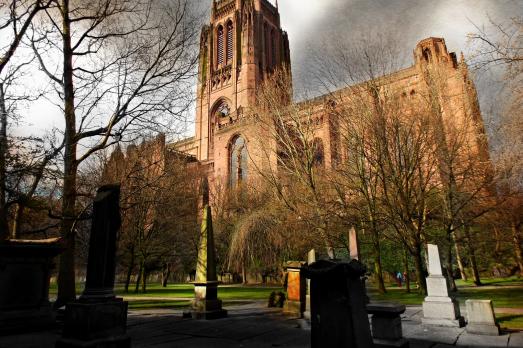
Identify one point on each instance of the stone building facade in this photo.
(244, 43)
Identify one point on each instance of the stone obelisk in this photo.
(439, 308)
(206, 304)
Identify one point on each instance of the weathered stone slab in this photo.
(339, 317)
(25, 268)
(296, 289)
(354, 244)
(438, 308)
(516, 340)
(386, 324)
(481, 318)
(472, 340)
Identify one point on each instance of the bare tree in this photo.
(125, 67)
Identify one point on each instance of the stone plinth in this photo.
(338, 315)
(25, 268)
(206, 304)
(439, 308)
(481, 319)
(99, 319)
(296, 289)
(386, 325)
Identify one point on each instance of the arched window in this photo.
(319, 155)
(219, 47)
(223, 110)
(427, 55)
(230, 41)
(238, 161)
(273, 48)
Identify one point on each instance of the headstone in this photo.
(296, 289)
(354, 244)
(25, 268)
(311, 258)
(99, 319)
(439, 308)
(338, 315)
(481, 318)
(206, 304)
(386, 325)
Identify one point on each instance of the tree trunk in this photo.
(129, 272)
(139, 278)
(66, 275)
(458, 256)
(420, 273)
(244, 275)
(406, 270)
(165, 275)
(448, 264)
(377, 263)
(4, 228)
(516, 232)
(144, 279)
(472, 255)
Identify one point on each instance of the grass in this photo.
(174, 291)
(227, 292)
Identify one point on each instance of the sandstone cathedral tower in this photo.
(242, 44)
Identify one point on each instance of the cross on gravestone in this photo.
(439, 308)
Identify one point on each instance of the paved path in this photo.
(254, 326)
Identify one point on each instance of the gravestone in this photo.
(25, 268)
(481, 319)
(338, 315)
(206, 304)
(386, 325)
(99, 319)
(354, 244)
(296, 289)
(311, 258)
(439, 308)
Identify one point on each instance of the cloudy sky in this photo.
(311, 23)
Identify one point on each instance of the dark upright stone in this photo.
(338, 315)
(99, 319)
(101, 263)
(25, 268)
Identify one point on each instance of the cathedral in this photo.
(244, 44)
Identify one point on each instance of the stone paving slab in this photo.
(254, 326)
(516, 340)
(468, 340)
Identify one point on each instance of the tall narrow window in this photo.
(273, 48)
(230, 41)
(238, 161)
(219, 48)
(267, 46)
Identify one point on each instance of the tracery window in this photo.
(230, 43)
(219, 47)
(238, 161)
(222, 109)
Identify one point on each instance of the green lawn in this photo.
(174, 291)
(226, 292)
